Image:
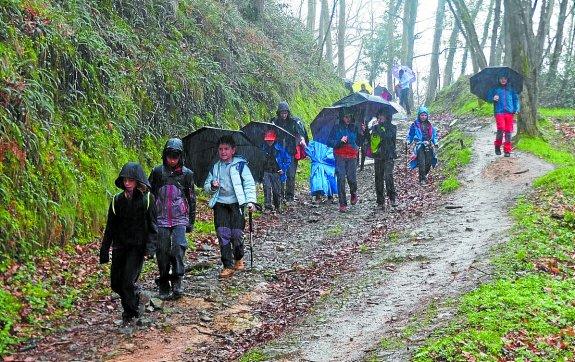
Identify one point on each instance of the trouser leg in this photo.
(379, 181)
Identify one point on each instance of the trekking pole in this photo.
(251, 230)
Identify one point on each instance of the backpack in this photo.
(374, 143)
(118, 194)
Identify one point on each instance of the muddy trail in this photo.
(324, 285)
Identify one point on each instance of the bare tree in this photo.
(310, 25)
(465, 19)
(558, 41)
(341, 40)
(543, 28)
(448, 70)
(408, 38)
(486, 25)
(389, 27)
(496, 19)
(434, 67)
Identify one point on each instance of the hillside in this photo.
(89, 84)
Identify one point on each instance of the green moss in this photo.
(454, 154)
(254, 355)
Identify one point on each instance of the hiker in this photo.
(404, 83)
(423, 136)
(505, 105)
(232, 187)
(344, 139)
(363, 89)
(173, 187)
(131, 221)
(276, 164)
(293, 125)
(322, 179)
(385, 94)
(383, 150)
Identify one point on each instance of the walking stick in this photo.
(251, 244)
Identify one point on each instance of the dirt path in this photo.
(441, 257)
(353, 275)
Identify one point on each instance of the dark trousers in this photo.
(290, 183)
(229, 223)
(170, 254)
(404, 100)
(345, 169)
(384, 180)
(272, 190)
(126, 267)
(424, 157)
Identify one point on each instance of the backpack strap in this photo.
(240, 168)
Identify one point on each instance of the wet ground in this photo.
(325, 286)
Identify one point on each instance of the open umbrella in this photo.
(357, 86)
(256, 131)
(488, 78)
(407, 70)
(201, 152)
(365, 106)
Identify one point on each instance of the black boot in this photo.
(177, 288)
(498, 150)
(164, 289)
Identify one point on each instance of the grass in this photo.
(454, 154)
(557, 112)
(527, 311)
(254, 355)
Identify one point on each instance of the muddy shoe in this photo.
(227, 272)
(393, 202)
(240, 265)
(354, 199)
(164, 291)
(498, 150)
(507, 154)
(342, 208)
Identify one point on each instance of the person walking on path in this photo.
(131, 223)
(344, 139)
(232, 186)
(173, 187)
(404, 83)
(293, 125)
(383, 149)
(276, 164)
(505, 104)
(424, 137)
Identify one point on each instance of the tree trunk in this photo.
(408, 38)
(462, 15)
(496, 18)
(558, 41)
(571, 42)
(524, 60)
(486, 25)
(543, 28)
(389, 28)
(448, 72)
(341, 40)
(311, 15)
(464, 61)
(434, 66)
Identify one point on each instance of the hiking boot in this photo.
(240, 265)
(507, 154)
(227, 272)
(393, 202)
(144, 300)
(498, 150)
(164, 290)
(354, 199)
(342, 208)
(177, 288)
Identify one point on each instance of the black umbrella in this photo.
(378, 90)
(365, 106)
(201, 152)
(256, 131)
(488, 78)
(324, 122)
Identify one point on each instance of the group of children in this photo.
(151, 216)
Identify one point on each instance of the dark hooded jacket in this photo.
(386, 134)
(130, 220)
(292, 124)
(174, 189)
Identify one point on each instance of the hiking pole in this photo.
(251, 244)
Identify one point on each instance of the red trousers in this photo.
(504, 123)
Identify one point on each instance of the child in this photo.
(424, 135)
(173, 187)
(382, 142)
(131, 220)
(505, 105)
(345, 138)
(232, 186)
(275, 170)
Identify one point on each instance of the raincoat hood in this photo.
(132, 170)
(283, 106)
(422, 109)
(174, 145)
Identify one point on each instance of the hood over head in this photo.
(422, 109)
(283, 106)
(174, 145)
(132, 170)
